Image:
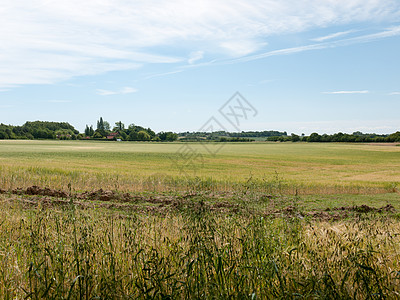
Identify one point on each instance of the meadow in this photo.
(109, 220)
(131, 166)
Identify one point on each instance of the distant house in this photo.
(112, 136)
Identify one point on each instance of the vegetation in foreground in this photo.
(55, 248)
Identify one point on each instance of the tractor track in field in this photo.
(35, 196)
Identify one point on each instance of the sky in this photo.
(303, 66)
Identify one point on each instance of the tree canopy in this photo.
(38, 130)
(133, 132)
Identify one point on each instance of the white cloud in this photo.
(241, 47)
(163, 74)
(332, 36)
(390, 32)
(46, 41)
(394, 93)
(125, 90)
(348, 92)
(195, 56)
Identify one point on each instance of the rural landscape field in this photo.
(92, 219)
(229, 149)
(286, 168)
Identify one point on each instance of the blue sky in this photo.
(306, 66)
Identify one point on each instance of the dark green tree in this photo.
(100, 124)
(87, 130)
(102, 127)
(168, 136)
(133, 136)
(314, 137)
(295, 137)
(119, 126)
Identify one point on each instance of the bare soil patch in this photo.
(191, 201)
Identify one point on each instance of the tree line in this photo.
(132, 132)
(39, 130)
(355, 137)
(65, 131)
(224, 136)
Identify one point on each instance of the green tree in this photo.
(119, 126)
(97, 135)
(151, 132)
(107, 126)
(314, 137)
(87, 130)
(133, 136)
(168, 136)
(100, 124)
(143, 136)
(103, 127)
(123, 135)
(295, 137)
(3, 135)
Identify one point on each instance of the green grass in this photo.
(193, 253)
(298, 167)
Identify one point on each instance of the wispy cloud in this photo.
(389, 32)
(347, 92)
(332, 36)
(394, 93)
(195, 56)
(125, 90)
(163, 74)
(51, 41)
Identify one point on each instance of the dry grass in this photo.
(72, 253)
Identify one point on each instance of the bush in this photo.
(143, 136)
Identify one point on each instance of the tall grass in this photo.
(79, 254)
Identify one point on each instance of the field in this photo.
(298, 167)
(104, 220)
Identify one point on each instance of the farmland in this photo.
(83, 219)
(302, 167)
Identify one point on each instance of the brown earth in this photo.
(163, 203)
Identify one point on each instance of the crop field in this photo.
(130, 220)
(130, 166)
